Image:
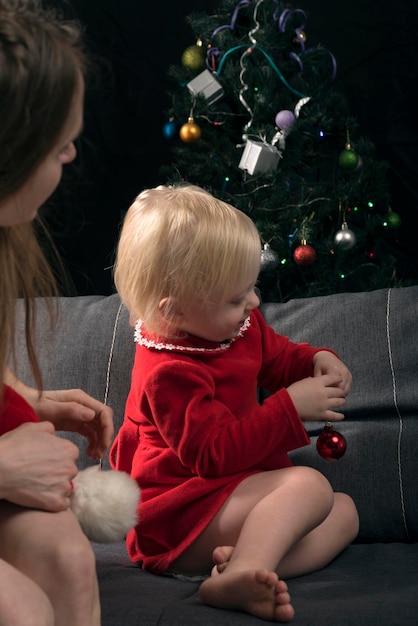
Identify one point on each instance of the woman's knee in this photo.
(73, 560)
(77, 560)
(36, 610)
(37, 613)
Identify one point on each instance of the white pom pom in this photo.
(105, 504)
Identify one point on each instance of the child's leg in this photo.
(325, 542)
(267, 515)
(315, 550)
(51, 550)
(36, 610)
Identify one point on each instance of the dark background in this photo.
(122, 148)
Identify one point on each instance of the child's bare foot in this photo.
(258, 592)
(220, 556)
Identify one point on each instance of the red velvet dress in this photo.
(14, 411)
(194, 429)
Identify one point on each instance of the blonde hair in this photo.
(183, 244)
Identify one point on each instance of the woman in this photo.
(44, 557)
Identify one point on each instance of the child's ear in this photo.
(169, 309)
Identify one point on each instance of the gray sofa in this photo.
(375, 581)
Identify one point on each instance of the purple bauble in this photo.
(285, 119)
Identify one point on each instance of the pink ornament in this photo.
(331, 445)
(285, 119)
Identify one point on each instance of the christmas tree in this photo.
(257, 121)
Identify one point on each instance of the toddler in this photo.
(216, 480)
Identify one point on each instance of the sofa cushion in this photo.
(364, 586)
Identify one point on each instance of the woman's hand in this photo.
(37, 467)
(70, 410)
(75, 411)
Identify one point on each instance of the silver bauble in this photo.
(345, 238)
(269, 259)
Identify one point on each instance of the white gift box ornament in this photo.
(206, 85)
(259, 157)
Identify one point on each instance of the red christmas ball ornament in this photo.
(304, 255)
(331, 445)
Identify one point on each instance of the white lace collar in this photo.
(142, 339)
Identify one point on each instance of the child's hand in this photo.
(317, 398)
(327, 363)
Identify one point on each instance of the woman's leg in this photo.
(36, 610)
(265, 518)
(51, 550)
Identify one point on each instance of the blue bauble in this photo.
(170, 130)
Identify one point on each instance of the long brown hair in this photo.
(41, 59)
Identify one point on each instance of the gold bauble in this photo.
(194, 58)
(190, 132)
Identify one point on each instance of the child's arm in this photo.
(207, 435)
(316, 380)
(286, 362)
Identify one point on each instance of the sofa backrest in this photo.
(91, 347)
(375, 333)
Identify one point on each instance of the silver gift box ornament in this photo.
(259, 157)
(206, 85)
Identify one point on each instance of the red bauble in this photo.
(331, 445)
(304, 255)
